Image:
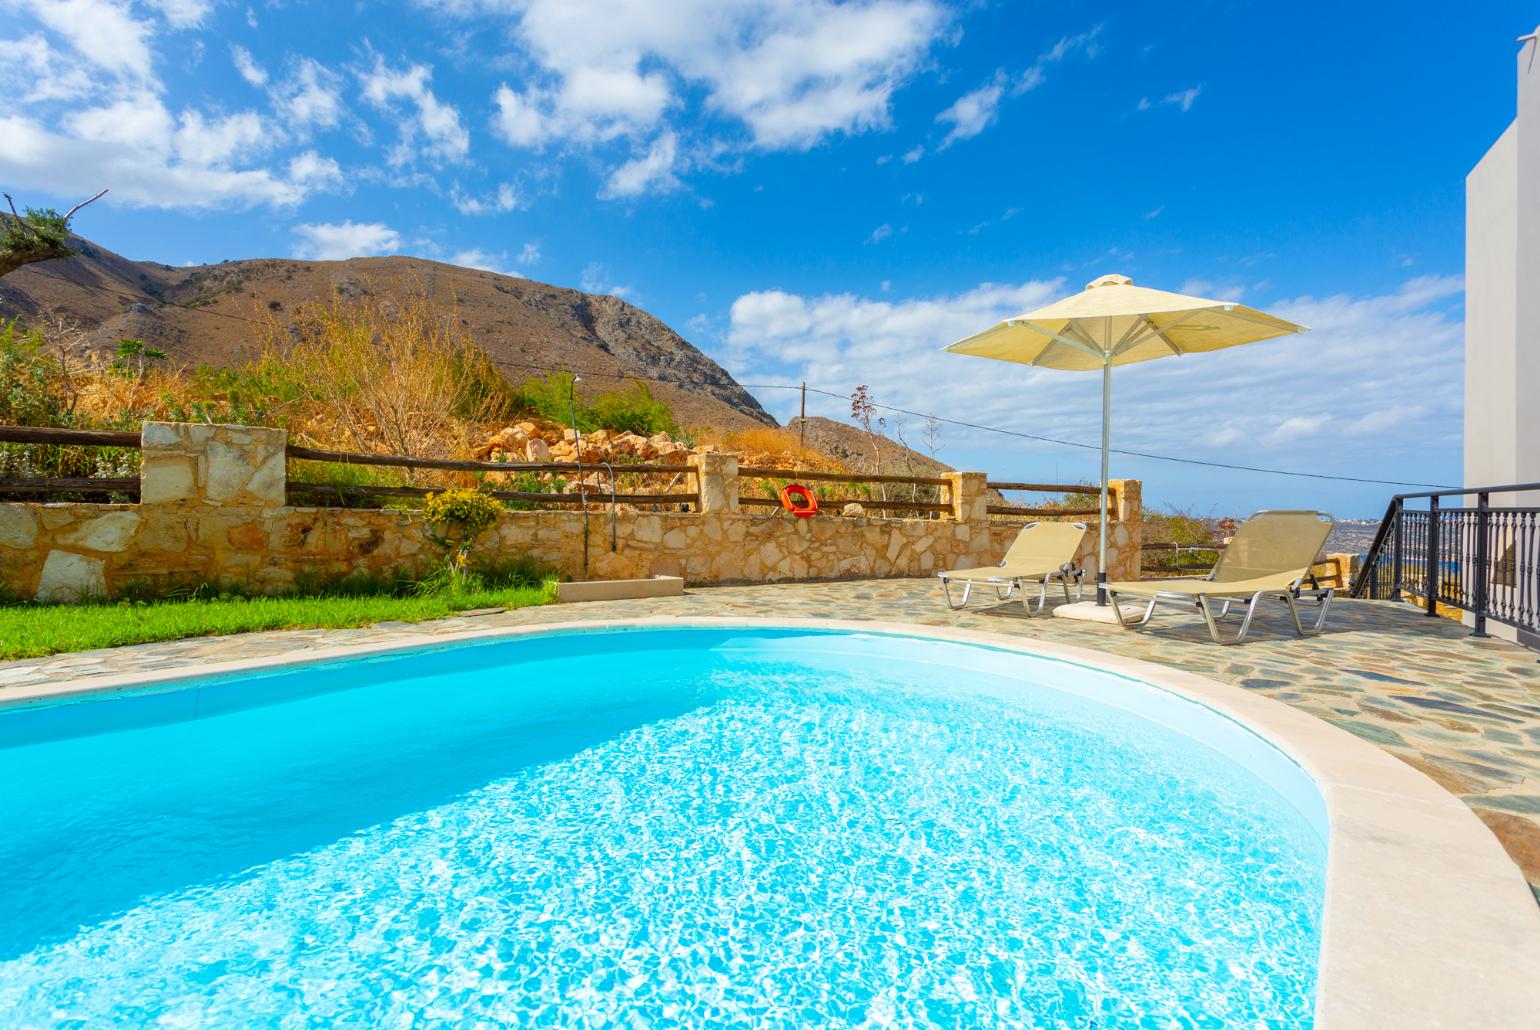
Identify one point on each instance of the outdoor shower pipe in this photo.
(577, 439)
(614, 546)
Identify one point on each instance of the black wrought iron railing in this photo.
(1483, 559)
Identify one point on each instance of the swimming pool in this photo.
(694, 826)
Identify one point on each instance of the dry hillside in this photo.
(200, 315)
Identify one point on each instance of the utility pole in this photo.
(802, 421)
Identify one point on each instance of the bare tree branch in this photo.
(71, 213)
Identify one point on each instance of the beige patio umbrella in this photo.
(1113, 322)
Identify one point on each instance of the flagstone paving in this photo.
(1465, 711)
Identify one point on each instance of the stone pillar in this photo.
(1125, 533)
(1128, 505)
(221, 466)
(717, 477)
(970, 497)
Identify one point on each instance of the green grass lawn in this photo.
(32, 631)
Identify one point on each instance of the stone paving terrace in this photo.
(1464, 711)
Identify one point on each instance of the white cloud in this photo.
(437, 122)
(651, 172)
(880, 233)
(102, 31)
(865, 340)
(1086, 43)
(529, 254)
(504, 199)
(118, 131)
(623, 94)
(33, 72)
(311, 171)
(487, 262)
(1335, 399)
(972, 113)
(1213, 290)
(518, 120)
(182, 14)
(790, 72)
(149, 157)
(217, 143)
(311, 97)
(596, 279)
(247, 66)
(336, 241)
(913, 154)
(1183, 99)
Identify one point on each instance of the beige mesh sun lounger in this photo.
(1270, 556)
(1041, 552)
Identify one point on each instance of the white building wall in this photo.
(1527, 282)
(1502, 297)
(1491, 314)
(1502, 316)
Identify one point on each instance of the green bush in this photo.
(464, 514)
(634, 410)
(465, 511)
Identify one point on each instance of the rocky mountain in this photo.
(214, 315)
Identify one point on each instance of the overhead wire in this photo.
(688, 381)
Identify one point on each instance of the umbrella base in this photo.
(1090, 611)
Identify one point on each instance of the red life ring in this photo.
(805, 506)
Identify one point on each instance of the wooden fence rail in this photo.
(1198, 568)
(1030, 511)
(771, 502)
(1043, 488)
(597, 496)
(46, 485)
(1012, 509)
(454, 465)
(62, 437)
(751, 472)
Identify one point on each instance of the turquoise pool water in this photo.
(661, 827)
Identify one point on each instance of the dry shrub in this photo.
(378, 374)
(779, 446)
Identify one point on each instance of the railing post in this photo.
(1483, 556)
(1395, 553)
(1432, 556)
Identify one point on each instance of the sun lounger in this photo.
(1041, 552)
(1270, 556)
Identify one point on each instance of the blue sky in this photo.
(831, 192)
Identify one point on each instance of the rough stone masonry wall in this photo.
(213, 510)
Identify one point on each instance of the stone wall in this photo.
(212, 511)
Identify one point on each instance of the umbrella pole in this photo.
(1101, 556)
